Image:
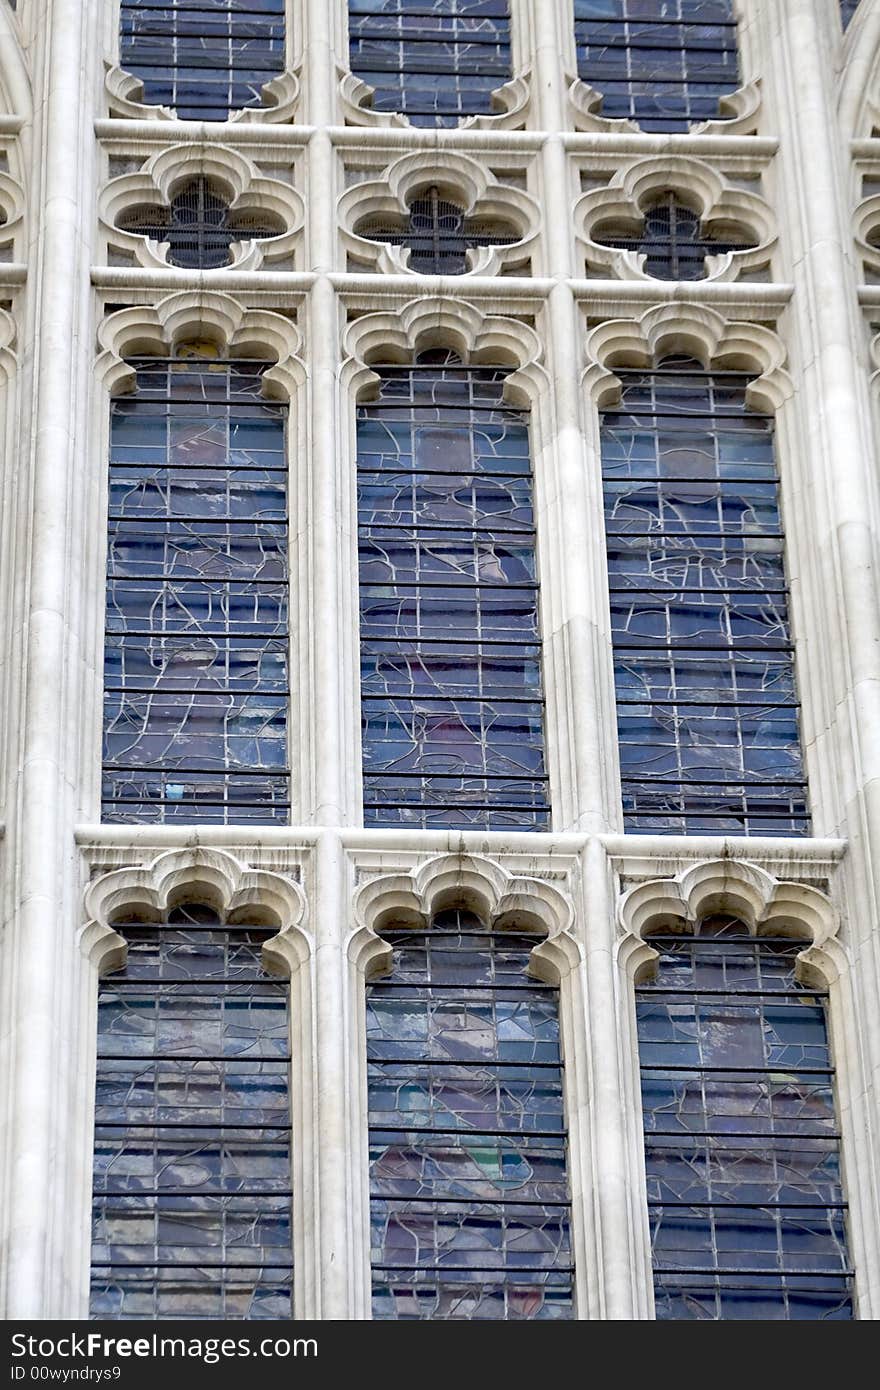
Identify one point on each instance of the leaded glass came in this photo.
(196, 651)
(706, 701)
(434, 61)
(469, 1203)
(204, 58)
(672, 241)
(662, 63)
(747, 1214)
(192, 1170)
(452, 699)
(438, 234)
(199, 225)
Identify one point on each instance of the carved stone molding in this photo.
(125, 98)
(740, 112)
(221, 318)
(513, 100)
(696, 331)
(698, 185)
(237, 178)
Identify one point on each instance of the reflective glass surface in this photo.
(192, 1168)
(195, 658)
(706, 700)
(438, 234)
(662, 63)
(452, 701)
(469, 1191)
(199, 226)
(432, 60)
(748, 1219)
(672, 241)
(205, 58)
(847, 10)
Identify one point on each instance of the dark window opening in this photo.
(438, 234)
(192, 1153)
(199, 226)
(742, 1146)
(469, 1199)
(434, 61)
(451, 687)
(707, 706)
(204, 58)
(196, 649)
(847, 10)
(672, 241)
(662, 63)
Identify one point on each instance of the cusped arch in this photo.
(16, 96)
(475, 882)
(858, 100)
(215, 878)
(693, 331)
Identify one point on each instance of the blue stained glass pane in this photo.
(706, 699)
(847, 10)
(452, 698)
(205, 58)
(196, 664)
(468, 1174)
(662, 63)
(435, 61)
(747, 1213)
(192, 1161)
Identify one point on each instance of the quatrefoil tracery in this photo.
(672, 240)
(438, 233)
(199, 226)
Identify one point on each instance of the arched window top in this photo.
(205, 58)
(662, 63)
(672, 240)
(438, 233)
(199, 225)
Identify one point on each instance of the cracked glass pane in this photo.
(434, 61)
(469, 1188)
(662, 63)
(195, 660)
(192, 1163)
(747, 1214)
(707, 708)
(205, 58)
(451, 690)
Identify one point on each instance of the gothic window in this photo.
(199, 226)
(847, 10)
(438, 234)
(192, 1170)
(746, 1209)
(196, 659)
(433, 60)
(672, 241)
(469, 1191)
(451, 657)
(205, 58)
(706, 699)
(663, 63)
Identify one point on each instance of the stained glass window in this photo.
(205, 58)
(663, 63)
(672, 241)
(199, 226)
(192, 1171)
(706, 699)
(450, 649)
(438, 234)
(196, 651)
(433, 60)
(742, 1146)
(469, 1190)
(847, 10)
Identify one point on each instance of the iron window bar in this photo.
(438, 234)
(199, 225)
(672, 241)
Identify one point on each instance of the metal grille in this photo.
(451, 691)
(196, 651)
(438, 235)
(192, 1171)
(433, 60)
(847, 10)
(672, 241)
(205, 58)
(198, 226)
(663, 63)
(706, 700)
(741, 1140)
(469, 1192)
